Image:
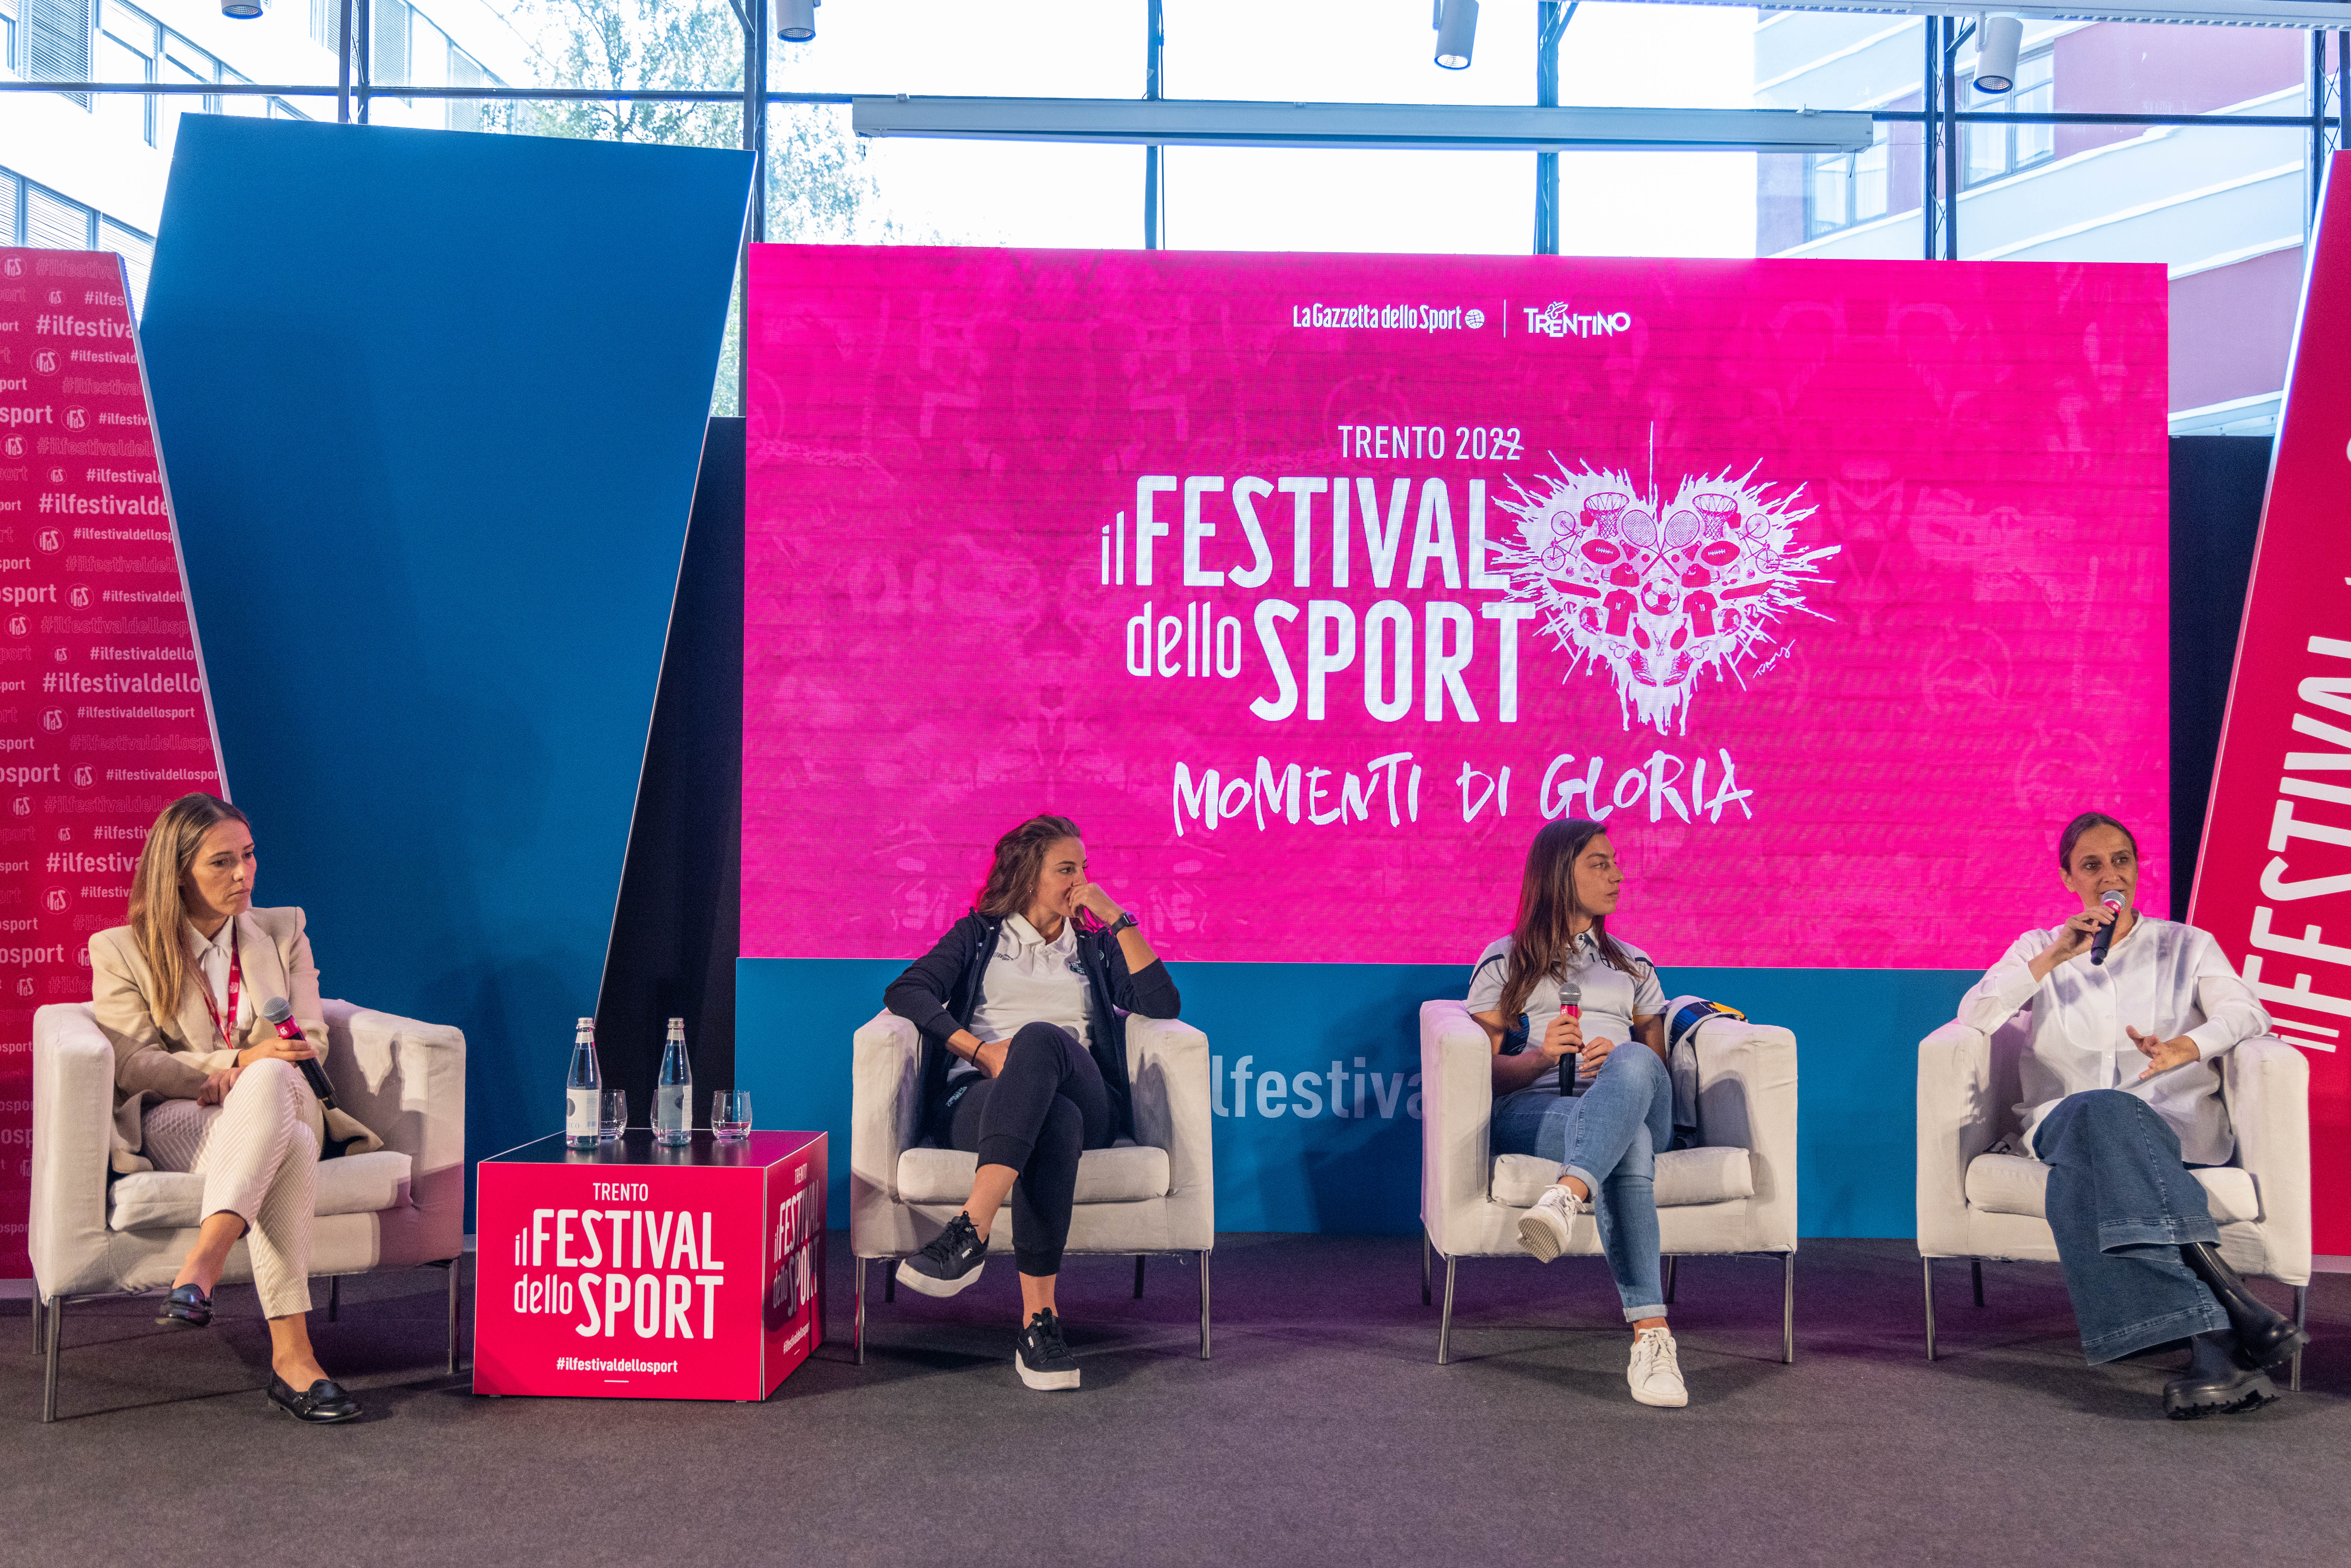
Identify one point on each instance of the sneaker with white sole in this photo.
(1043, 1355)
(1548, 1229)
(951, 1264)
(1655, 1373)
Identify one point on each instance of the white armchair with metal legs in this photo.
(1733, 1194)
(402, 1207)
(1153, 1194)
(1976, 1205)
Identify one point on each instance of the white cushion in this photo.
(172, 1200)
(2010, 1184)
(1128, 1173)
(1685, 1176)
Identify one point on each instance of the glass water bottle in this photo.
(673, 1091)
(583, 1089)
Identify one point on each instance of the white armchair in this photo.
(1155, 1194)
(1976, 1205)
(1735, 1193)
(402, 1205)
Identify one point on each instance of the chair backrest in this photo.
(2008, 1046)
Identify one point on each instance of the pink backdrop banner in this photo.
(1311, 586)
(104, 718)
(2274, 877)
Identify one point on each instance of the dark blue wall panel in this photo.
(432, 405)
(1857, 1032)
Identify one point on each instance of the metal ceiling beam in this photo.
(1198, 122)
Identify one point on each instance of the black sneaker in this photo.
(950, 1264)
(1043, 1355)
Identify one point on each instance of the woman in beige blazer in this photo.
(204, 1082)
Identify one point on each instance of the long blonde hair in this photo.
(159, 910)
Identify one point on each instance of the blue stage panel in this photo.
(431, 405)
(1858, 1033)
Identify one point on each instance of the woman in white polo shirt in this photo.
(1608, 1136)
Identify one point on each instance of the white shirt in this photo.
(212, 966)
(2164, 978)
(1030, 980)
(1612, 999)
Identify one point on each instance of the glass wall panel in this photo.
(1068, 48)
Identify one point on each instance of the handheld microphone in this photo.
(1571, 1002)
(279, 1013)
(2112, 899)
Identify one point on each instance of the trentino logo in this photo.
(1558, 320)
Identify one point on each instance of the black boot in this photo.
(2267, 1336)
(2217, 1382)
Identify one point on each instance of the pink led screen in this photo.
(1311, 586)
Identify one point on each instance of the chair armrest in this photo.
(1167, 1064)
(73, 1140)
(2267, 1083)
(884, 1100)
(1457, 1103)
(1956, 1118)
(1747, 1100)
(405, 1079)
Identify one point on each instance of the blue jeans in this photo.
(1609, 1138)
(2122, 1204)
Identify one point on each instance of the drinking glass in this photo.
(730, 1113)
(615, 1116)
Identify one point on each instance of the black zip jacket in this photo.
(941, 990)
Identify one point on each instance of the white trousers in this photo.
(260, 1163)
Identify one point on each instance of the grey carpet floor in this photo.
(1321, 1433)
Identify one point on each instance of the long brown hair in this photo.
(159, 911)
(1019, 857)
(1543, 939)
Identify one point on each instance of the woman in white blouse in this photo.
(204, 1083)
(2121, 1096)
(1024, 1064)
(1612, 1039)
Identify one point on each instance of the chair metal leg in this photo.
(1204, 1304)
(1424, 1267)
(38, 1339)
(2301, 1321)
(54, 1323)
(1975, 1268)
(1138, 1276)
(334, 1299)
(1673, 1269)
(1926, 1267)
(1787, 1308)
(455, 1266)
(857, 1333)
(1445, 1323)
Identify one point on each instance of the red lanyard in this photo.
(235, 981)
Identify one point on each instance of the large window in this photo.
(1846, 189)
(1994, 152)
(33, 215)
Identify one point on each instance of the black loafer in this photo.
(322, 1405)
(188, 1307)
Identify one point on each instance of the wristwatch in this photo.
(1119, 925)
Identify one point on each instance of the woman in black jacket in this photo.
(1024, 1064)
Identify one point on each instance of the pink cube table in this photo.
(635, 1271)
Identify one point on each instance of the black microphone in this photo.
(279, 1013)
(1571, 1002)
(2112, 899)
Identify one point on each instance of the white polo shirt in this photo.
(1612, 999)
(1030, 980)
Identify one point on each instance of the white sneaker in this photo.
(1548, 1229)
(1655, 1375)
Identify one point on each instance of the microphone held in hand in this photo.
(2104, 939)
(1571, 1002)
(279, 1013)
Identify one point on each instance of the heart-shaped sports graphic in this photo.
(1662, 594)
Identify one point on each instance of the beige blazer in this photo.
(166, 1053)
